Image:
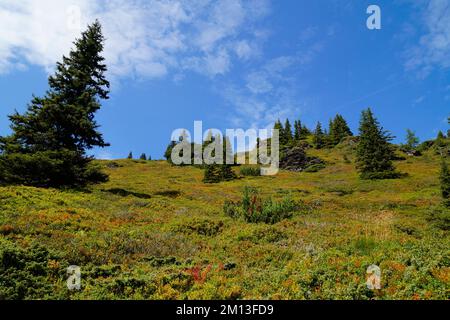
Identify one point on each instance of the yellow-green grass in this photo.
(124, 243)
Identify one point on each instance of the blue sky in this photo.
(237, 64)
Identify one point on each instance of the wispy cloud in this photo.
(267, 93)
(433, 49)
(270, 91)
(418, 101)
(144, 38)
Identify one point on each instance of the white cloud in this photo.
(433, 50)
(269, 93)
(144, 38)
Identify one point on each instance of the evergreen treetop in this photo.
(287, 132)
(319, 136)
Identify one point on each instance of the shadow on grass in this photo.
(126, 193)
(168, 193)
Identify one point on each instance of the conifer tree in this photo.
(374, 154)
(304, 132)
(212, 173)
(130, 155)
(445, 183)
(339, 129)
(319, 137)
(278, 126)
(329, 135)
(168, 152)
(227, 173)
(143, 157)
(411, 140)
(49, 141)
(287, 132)
(297, 130)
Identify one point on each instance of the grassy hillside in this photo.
(157, 232)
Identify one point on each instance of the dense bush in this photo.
(27, 274)
(440, 216)
(253, 209)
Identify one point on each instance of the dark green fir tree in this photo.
(49, 142)
(318, 137)
(374, 154)
(339, 129)
(287, 133)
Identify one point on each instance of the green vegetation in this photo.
(255, 210)
(156, 231)
(215, 173)
(374, 153)
(338, 130)
(445, 183)
(411, 141)
(247, 171)
(49, 141)
(319, 137)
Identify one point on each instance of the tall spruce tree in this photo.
(130, 155)
(278, 126)
(445, 183)
(297, 130)
(374, 154)
(318, 137)
(49, 141)
(287, 132)
(143, 157)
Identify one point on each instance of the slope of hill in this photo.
(155, 231)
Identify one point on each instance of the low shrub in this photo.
(28, 274)
(250, 171)
(265, 234)
(440, 217)
(202, 227)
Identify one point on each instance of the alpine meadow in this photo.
(89, 210)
